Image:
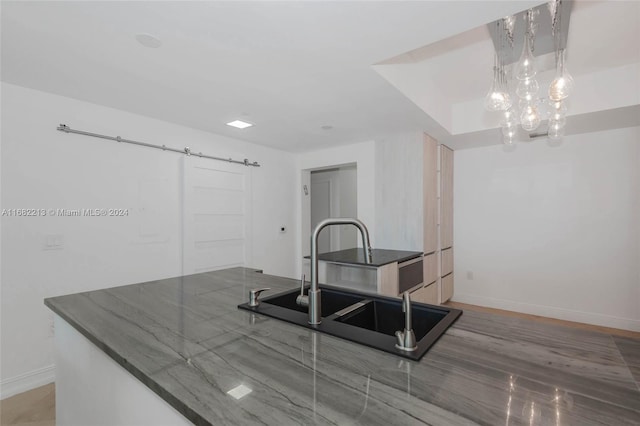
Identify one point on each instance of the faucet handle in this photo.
(302, 300)
(400, 338)
(255, 294)
(302, 285)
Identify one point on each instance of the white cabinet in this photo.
(446, 223)
(414, 202)
(430, 194)
(446, 291)
(438, 218)
(447, 261)
(430, 266)
(427, 294)
(446, 197)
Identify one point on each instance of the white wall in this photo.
(343, 182)
(399, 192)
(553, 231)
(389, 182)
(44, 168)
(348, 205)
(363, 155)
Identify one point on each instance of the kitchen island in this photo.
(186, 343)
(389, 273)
(379, 257)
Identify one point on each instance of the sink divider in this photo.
(349, 309)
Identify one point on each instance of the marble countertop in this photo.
(379, 257)
(185, 339)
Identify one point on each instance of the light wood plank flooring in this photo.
(34, 408)
(546, 320)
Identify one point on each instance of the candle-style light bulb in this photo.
(526, 65)
(530, 117)
(527, 89)
(498, 98)
(556, 129)
(562, 84)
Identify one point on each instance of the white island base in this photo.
(92, 389)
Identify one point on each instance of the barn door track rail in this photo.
(185, 151)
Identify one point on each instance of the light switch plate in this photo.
(53, 242)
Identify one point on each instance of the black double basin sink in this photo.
(370, 320)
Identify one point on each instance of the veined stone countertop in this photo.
(185, 339)
(379, 257)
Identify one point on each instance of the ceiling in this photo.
(603, 55)
(289, 67)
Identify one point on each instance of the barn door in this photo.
(215, 198)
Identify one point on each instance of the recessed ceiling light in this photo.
(239, 124)
(239, 391)
(147, 40)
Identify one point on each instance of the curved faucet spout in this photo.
(314, 292)
(406, 338)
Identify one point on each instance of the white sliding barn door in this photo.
(214, 215)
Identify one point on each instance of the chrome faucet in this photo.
(313, 299)
(406, 338)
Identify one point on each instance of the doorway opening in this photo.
(329, 192)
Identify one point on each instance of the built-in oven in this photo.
(410, 274)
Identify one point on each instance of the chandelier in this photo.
(517, 98)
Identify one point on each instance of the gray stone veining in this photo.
(186, 340)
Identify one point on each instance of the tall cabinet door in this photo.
(446, 197)
(430, 194)
(446, 223)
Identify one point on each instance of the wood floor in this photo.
(37, 407)
(547, 320)
(34, 408)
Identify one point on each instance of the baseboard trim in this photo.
(27, 381)
(550, 311)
